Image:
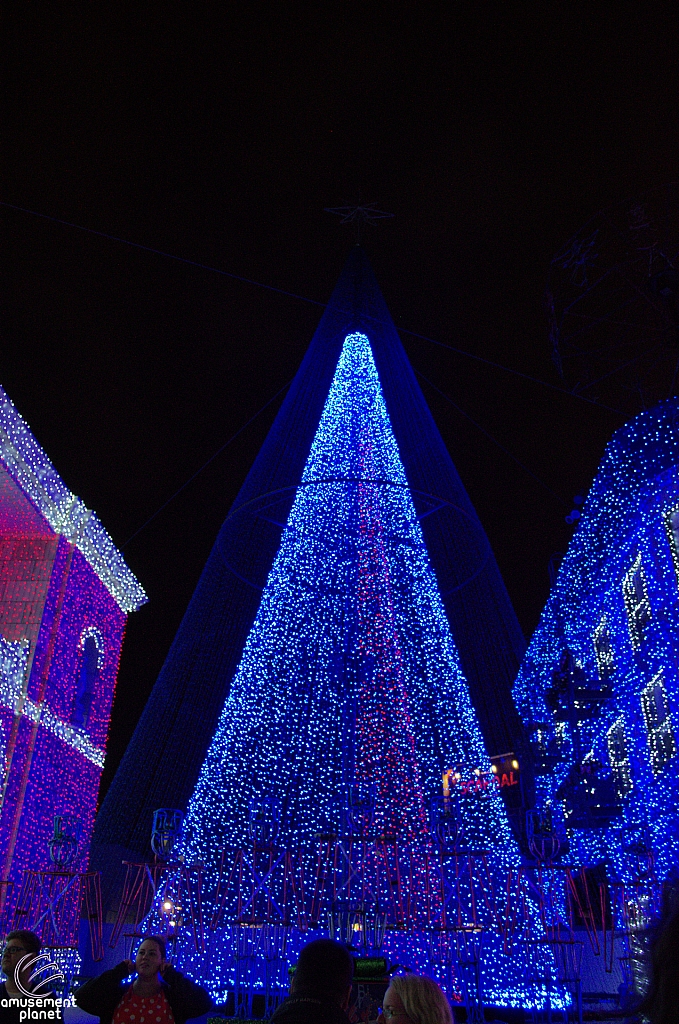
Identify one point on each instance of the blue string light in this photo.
(349, 678)
(180, 718)
(615, 607)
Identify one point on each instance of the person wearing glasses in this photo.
(158, 995)
(416, 999)
(19, 944)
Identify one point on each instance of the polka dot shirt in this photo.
(135, 1009)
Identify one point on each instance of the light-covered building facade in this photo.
(598, 689)
(65, 593)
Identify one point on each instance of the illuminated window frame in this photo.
(603, 650)
(96, 634)
(618, 757)
(672, 537)
(637, 606)
(662, 746)
(85, 688)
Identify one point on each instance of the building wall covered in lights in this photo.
(65, 593)
(599, 685)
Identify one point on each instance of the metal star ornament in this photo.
(366, 213)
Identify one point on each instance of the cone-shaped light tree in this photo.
(349, 677)
(350, 632)
(163, 760)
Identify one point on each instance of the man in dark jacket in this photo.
(21, 998)
(156, 981)
(321, 986)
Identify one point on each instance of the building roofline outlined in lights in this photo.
(66, 514)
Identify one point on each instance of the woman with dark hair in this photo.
(158, 995)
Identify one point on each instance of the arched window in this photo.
(91, 647)
(671, 520)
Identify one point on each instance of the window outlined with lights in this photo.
(662, 746)
(561, 735)
(603, 650)
(92, 652)
(618, 757)
(671, 523)
(637, 603)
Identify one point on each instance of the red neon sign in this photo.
(478, 781)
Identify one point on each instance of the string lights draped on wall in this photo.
(599, 688)
(65, 592)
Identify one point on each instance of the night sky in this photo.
(218, 133)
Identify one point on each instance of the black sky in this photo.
(218, 132)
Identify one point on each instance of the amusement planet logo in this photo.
(46, 965)
(37, 1003)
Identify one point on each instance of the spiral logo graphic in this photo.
(45, 970)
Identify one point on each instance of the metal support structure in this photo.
(52, 904)
(168, 891)
(358, 887)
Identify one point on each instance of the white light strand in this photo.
(65, 513)
(13, 665)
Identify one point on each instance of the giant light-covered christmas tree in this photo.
(162, 762)
(349, 675)
(350, 680)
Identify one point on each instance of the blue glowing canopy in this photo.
(163, 761)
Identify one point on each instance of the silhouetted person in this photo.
(321, 986)
(159, 993)
(661, 1005)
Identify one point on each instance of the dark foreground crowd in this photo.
(320, 992)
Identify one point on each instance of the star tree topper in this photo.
(358, 215)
